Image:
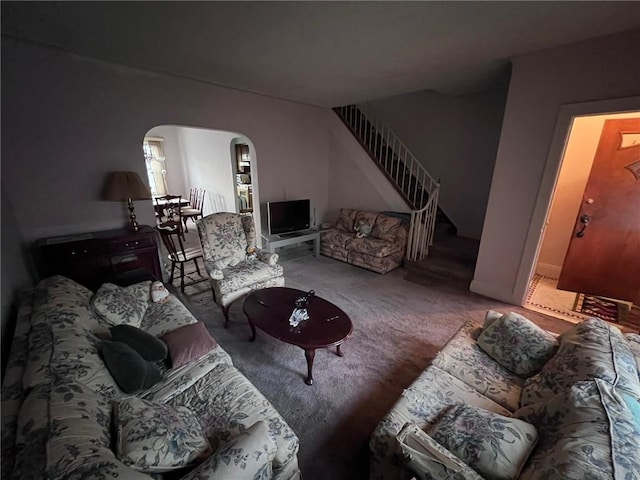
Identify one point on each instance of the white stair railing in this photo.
(403, 168)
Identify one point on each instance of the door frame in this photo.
(549, 181)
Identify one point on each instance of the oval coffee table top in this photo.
(270, 308)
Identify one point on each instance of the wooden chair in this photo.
(169, 212)
(171, 234)
(194, 210)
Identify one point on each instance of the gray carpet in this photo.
(398, 327)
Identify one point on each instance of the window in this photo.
(153, 149)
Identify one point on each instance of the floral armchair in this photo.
(234, 264)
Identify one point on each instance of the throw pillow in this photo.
(154, 437)
(149, 347)
(517, 344)
(119, 305)
(245, 457)
(188, 343)
(346, 219)
(159, 293)
(130, 371)
(495, 446)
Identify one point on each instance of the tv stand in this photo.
(293, 238)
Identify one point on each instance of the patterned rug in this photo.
(543, 296)
(605, 308)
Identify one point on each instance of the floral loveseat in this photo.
(370, 240)
(508, 400)
(64, 415)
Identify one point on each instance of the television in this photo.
(288, 217)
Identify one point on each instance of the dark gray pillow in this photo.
(148, 346)
(130, 371)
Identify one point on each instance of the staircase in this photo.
(433, 248)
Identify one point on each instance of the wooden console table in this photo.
(119, 256)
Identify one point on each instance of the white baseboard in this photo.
(548, 270)
(490, 291)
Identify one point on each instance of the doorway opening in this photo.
(543, 294)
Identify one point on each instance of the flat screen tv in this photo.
(287, 217)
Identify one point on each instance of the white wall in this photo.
(604, 68)
(68, 120)
(456, 140)
(355, 181)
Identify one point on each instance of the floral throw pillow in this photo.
(118, 305)
(495, 446)
(154, 437)
(517, 344)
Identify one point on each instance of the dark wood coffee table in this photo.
(269, 309)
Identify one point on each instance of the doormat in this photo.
(604, 308)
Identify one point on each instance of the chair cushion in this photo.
(493, 445)
(118, 305)
(155, 437)
(245, 274)
(518, 344)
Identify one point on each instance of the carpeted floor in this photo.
(399, 326)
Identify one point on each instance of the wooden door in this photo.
(604, 253)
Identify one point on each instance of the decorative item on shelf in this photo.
(300, 313)
(126, 186)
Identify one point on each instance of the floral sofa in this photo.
(509, 400)
(371, 240)
(64, 415)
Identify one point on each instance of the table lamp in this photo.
(126, 186)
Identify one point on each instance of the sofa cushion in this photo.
(128, 368)
(148, 346)
(429, 460)
(154, 437)
(118, 305)
(79, 444)
(493, 445)
(373, 247)
(346, 220)
(247, 456)
(588, 431)
(334, 238)
(517, 344)
(163, 317)
(386, 227)
(591, 349)
(465, 360)
(188, 343)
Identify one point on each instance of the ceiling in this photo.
(320, 53)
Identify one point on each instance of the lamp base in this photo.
(132, 216)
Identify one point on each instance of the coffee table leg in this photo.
(253, 330)
(338, 351)
(310, 354)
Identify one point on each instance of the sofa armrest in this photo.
(427, 459)
(247, 456)
(266, 257)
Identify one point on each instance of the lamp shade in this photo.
(122, 186)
